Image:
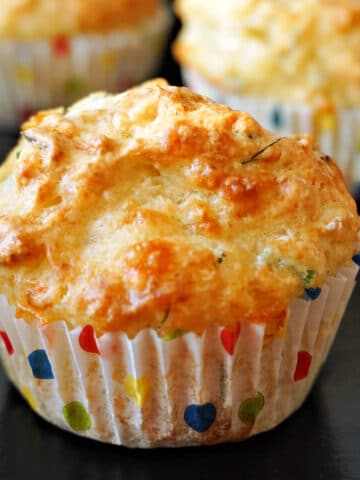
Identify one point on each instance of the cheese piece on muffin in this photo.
(160, 208)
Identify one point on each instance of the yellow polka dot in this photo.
(326, 121)
(336, 318)
(24, 75)
(29, 398)
(109, 61)
(137, 389)
(358, 145)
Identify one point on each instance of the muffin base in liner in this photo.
(336, 131)
(191, 390)
(43, 74)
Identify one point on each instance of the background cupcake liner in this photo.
(150, 392)
(337, 131)
(45, 74)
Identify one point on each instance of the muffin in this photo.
(54, 52)
(170, 272)
(294, 65)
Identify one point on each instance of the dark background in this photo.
(320, 441)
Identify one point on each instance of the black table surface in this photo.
(320, 441)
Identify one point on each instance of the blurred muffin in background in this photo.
(52, 52)
(293, 64)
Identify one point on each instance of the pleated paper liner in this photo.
(336, 131)
(184, 390)
(46, 74)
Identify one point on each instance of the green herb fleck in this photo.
(166, 316)
(308, 278)
(176, 334)
(31, 138)
(252, 137)
(325, 158)
(263, 150)
(221, 258)
(269, 257)
(18, 154)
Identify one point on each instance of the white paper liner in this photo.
(337, 133)
(178, 381)
(45, 74)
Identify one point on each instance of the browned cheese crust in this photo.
(160, 208)
(29, 19)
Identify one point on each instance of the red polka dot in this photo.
(229, 338)
(61, 47)
(87, 340)
(303, 366)
(26, 113)
(7, 343)
(125, 83)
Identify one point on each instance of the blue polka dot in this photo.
(356, 259)
(312, 293)
(356, 191)
(277, 118)
(200, 417)
(40, 365)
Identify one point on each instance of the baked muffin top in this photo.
(160, 208)
(32, 19)
(305, 51)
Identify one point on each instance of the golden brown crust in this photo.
(161, 208)
(28, 19)
(289, 50)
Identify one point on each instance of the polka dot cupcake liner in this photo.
(336, 131)
(225, 385)
(44, 74)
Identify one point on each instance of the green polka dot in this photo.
(250, 408)
(77, 417)
(176, 334)
(74, 86)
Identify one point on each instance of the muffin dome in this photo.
(160, 208)
(29, 19)
(289, 50)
